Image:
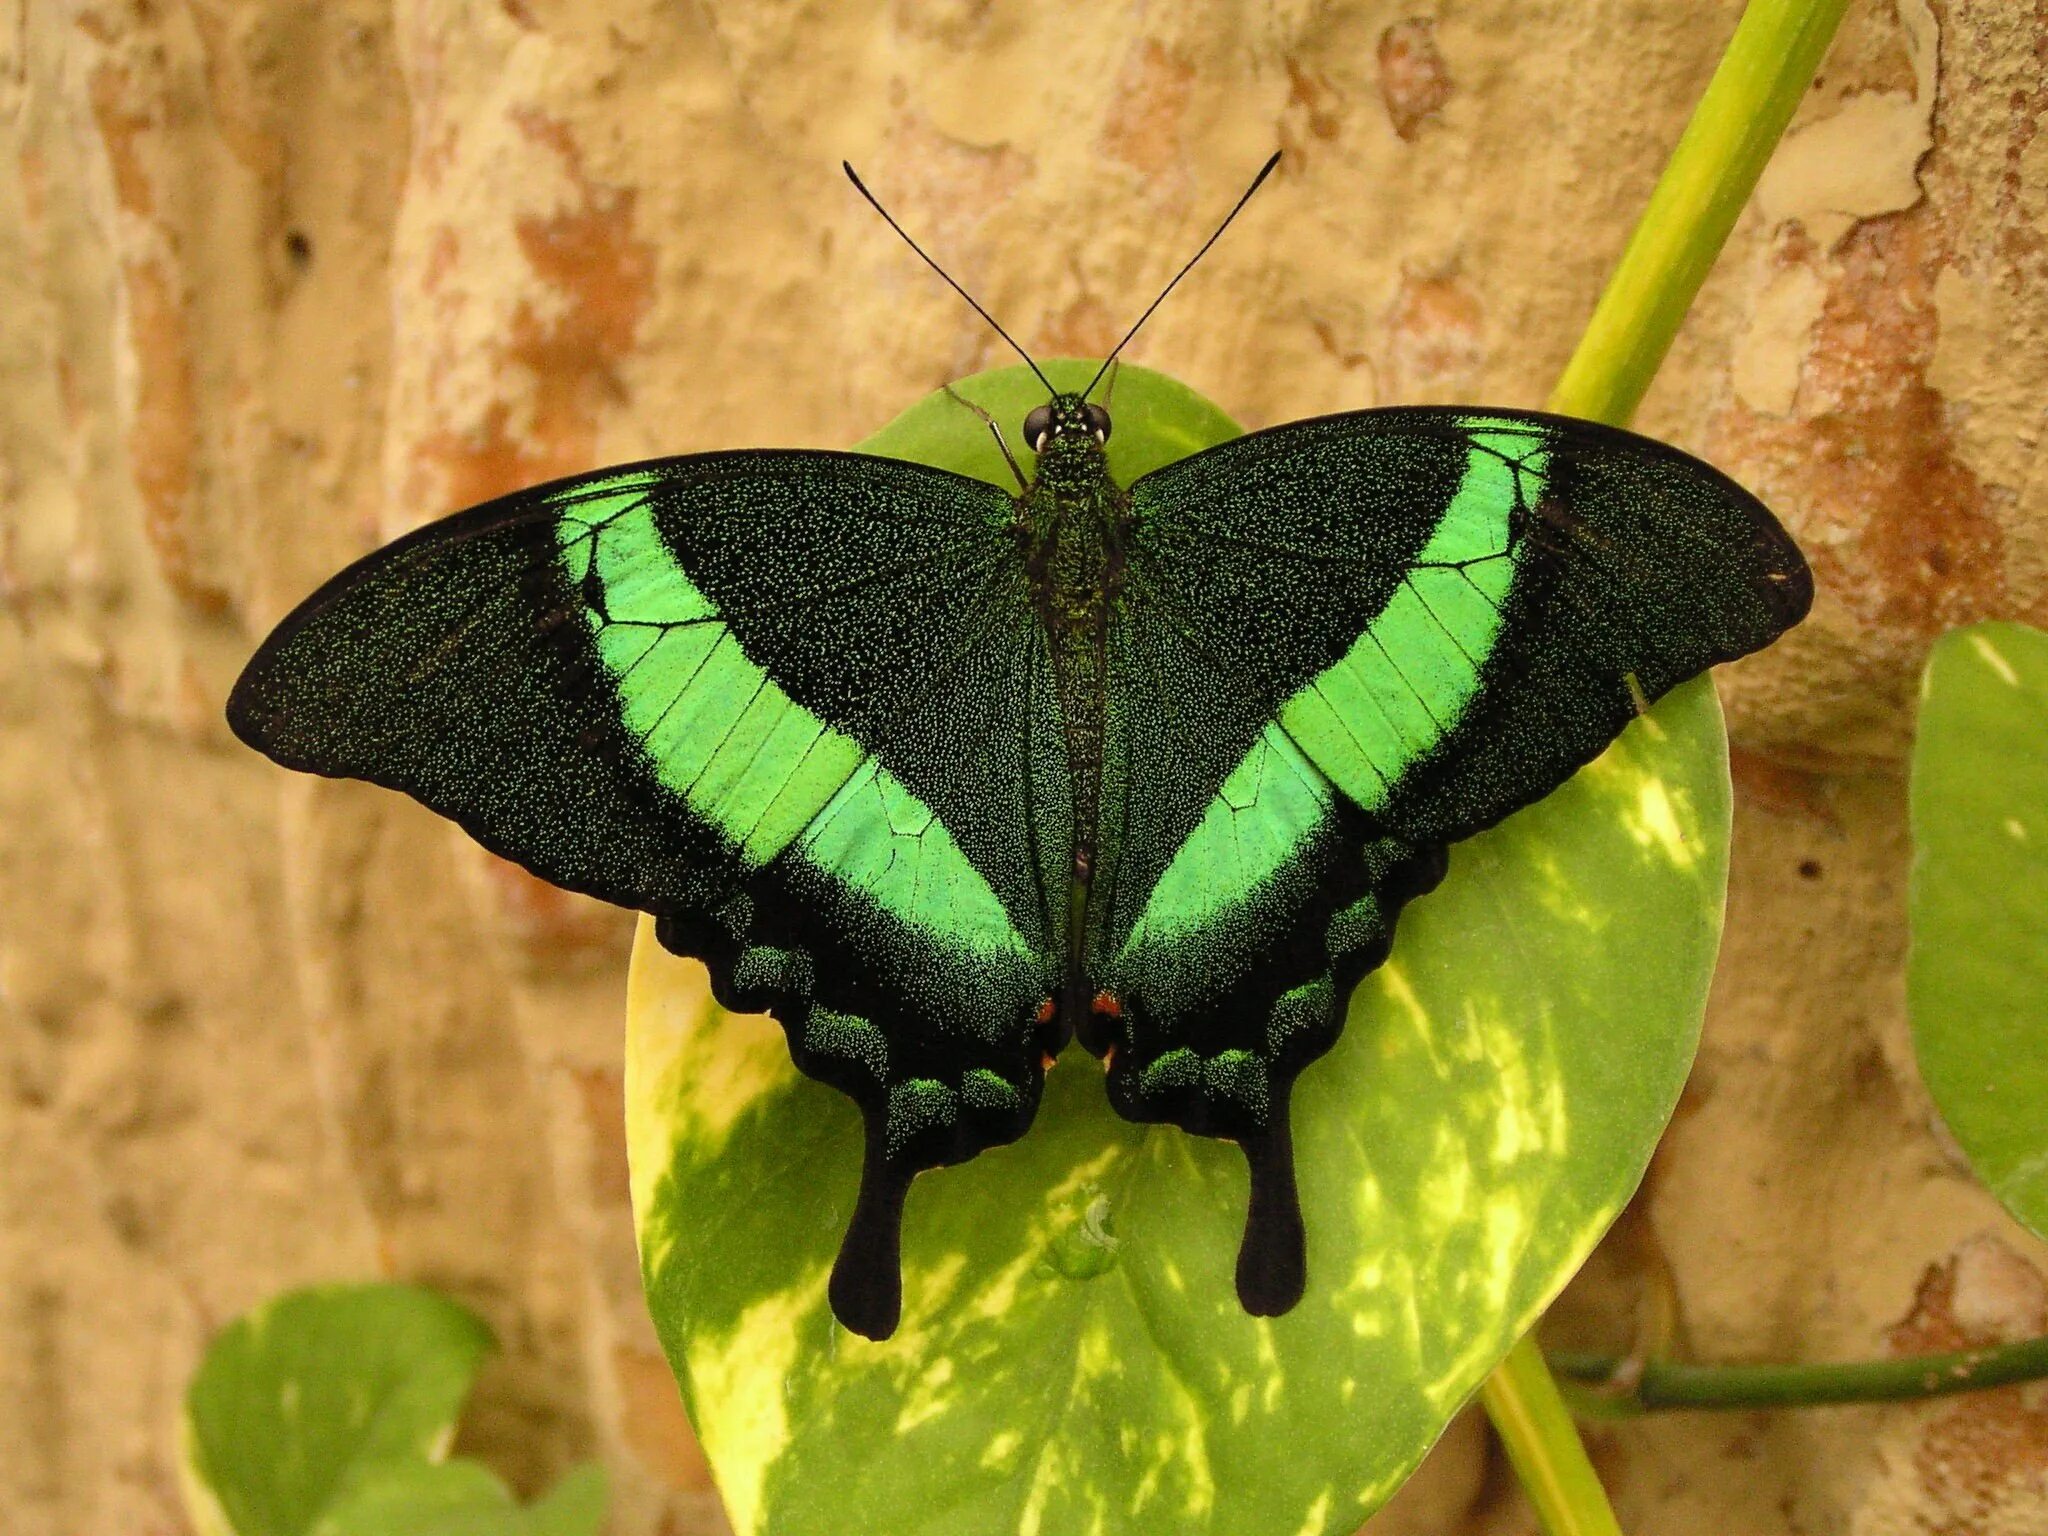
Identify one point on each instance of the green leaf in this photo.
(574, 1507)
(421, 1498)
(461, 1498)
(294, 1401)
(1977, 979)
(1072, 1356)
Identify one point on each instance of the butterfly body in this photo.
(1072, 517)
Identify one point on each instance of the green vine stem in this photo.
(1592, 1391)
(1543, 1445)
(1758, 85)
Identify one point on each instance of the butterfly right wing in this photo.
(795, 705)
(1375, 634)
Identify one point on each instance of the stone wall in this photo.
(281, 279)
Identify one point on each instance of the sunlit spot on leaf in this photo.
(927, 1394)
(1318, 1515)
(1000, 1454)
(707, 1066)
(1995, 660)
(1658, 823)
(752, 1427)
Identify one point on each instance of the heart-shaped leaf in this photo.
(1977, 980)
(461, 1498)
(1072, 1356)
(297, 1399)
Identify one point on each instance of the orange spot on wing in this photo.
(1107, 1005)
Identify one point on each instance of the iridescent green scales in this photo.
(944, 777)
(714, 727)
(1362, 721)
(716, 730)
(1273, 800)
(1408, 680)
(878, 839)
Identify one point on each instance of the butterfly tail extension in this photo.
(1286, 956)
(866, 1290)
(909, 1128)
(1272, 1261)
(930, 1093)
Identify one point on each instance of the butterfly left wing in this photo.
(730, 690)
(1344, 644)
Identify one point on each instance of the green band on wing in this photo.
(878, 838)
(1267, 807)
(1371, 715)
(740, 751)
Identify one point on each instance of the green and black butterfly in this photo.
(943, 777)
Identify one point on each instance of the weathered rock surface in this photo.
(284, 278)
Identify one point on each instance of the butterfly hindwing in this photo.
(1422, 620)
(733, 690)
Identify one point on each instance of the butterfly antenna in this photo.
(1257, 181)
(861, 187)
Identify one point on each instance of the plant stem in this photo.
(1757, 86)
(1543, 1445)
(1665, 1384)
(1762, 77)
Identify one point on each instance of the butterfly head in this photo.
(1067, 433)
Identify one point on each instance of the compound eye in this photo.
(1038, 427)
(1098, 420)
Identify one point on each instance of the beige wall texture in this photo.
(281, 279)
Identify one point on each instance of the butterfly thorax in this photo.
(1070, 518)
(1074, 548)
